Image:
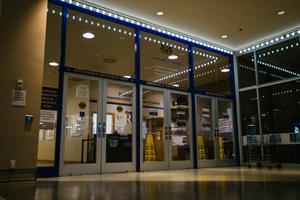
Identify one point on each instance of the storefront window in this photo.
(246, 71)
(48, 117)
(250, 125)
(279, 62)
(280, 115)
(212, 72)
(94, 44)
(164, 61)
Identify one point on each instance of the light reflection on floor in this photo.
(210, 184)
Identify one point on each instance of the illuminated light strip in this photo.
(278, 68)
(278, 50)
(269, 42)
(111, 28)
(184, 71)
(283, 92)
(262, 72)
(127, 19)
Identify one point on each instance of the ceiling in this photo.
(209, 19)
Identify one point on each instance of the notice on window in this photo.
(18, 97)
(48, 116)
(82, 91)
(225, 125)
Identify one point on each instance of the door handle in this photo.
(99, 129)
(170, 133)
(166, 132)
(104, 129)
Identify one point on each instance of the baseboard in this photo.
(15, 175)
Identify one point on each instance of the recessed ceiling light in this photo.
(172, 57)
(54, 64)
(225, 70)
(127, 76)
(224, 36)
(281, 12)
(176, 85)
(160, 13)
(88, 35)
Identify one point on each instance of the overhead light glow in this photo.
(127, 76)
(160, 13)
(225, 70)
(54, 64)
(88, 35)
(281, 12)
(172, 57)
(176, 85)
(224, 36)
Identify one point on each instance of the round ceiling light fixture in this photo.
(53, 64)
(172, 57)
(224, 36)
(281, 12)
(225, 70)
(88, 35)
(160, 13)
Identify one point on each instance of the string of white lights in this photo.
(271, 41)
(149, 26)
(278, 50)
(261, 71)
(282, 92)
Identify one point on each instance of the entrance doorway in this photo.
(215, 143)
(166, 134)
(98, 132)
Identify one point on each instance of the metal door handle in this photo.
(99, 129)
(104, 129)
(170, 133)
(166, 132)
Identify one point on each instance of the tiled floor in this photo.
(210, 184)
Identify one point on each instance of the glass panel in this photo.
(280, 61)
(153, 128)
(81, 121)
(97, 45)
(180, 127)
(225, 139)
(119, 123)
(280, 115)
(250, 126)
(246, 70)
(205, 137)
(48, 117)
(164, 61)
(212, 74)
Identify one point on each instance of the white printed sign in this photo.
(18, 97)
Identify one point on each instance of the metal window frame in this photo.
(54, 171)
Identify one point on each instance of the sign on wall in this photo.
(18, 97)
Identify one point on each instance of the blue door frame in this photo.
(54, 170)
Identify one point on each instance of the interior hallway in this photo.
(216, 183)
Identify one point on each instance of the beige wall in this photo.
(22, 39)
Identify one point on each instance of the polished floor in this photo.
(210, 184)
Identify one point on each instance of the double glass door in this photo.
(215, 143)
(98, 132)
(165, 130)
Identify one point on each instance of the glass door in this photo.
(98, 128)
(165, 130)
(118, 142)
(215, 145)
(224, 133)
(154, 145)
(80, 141)
(179, 131)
